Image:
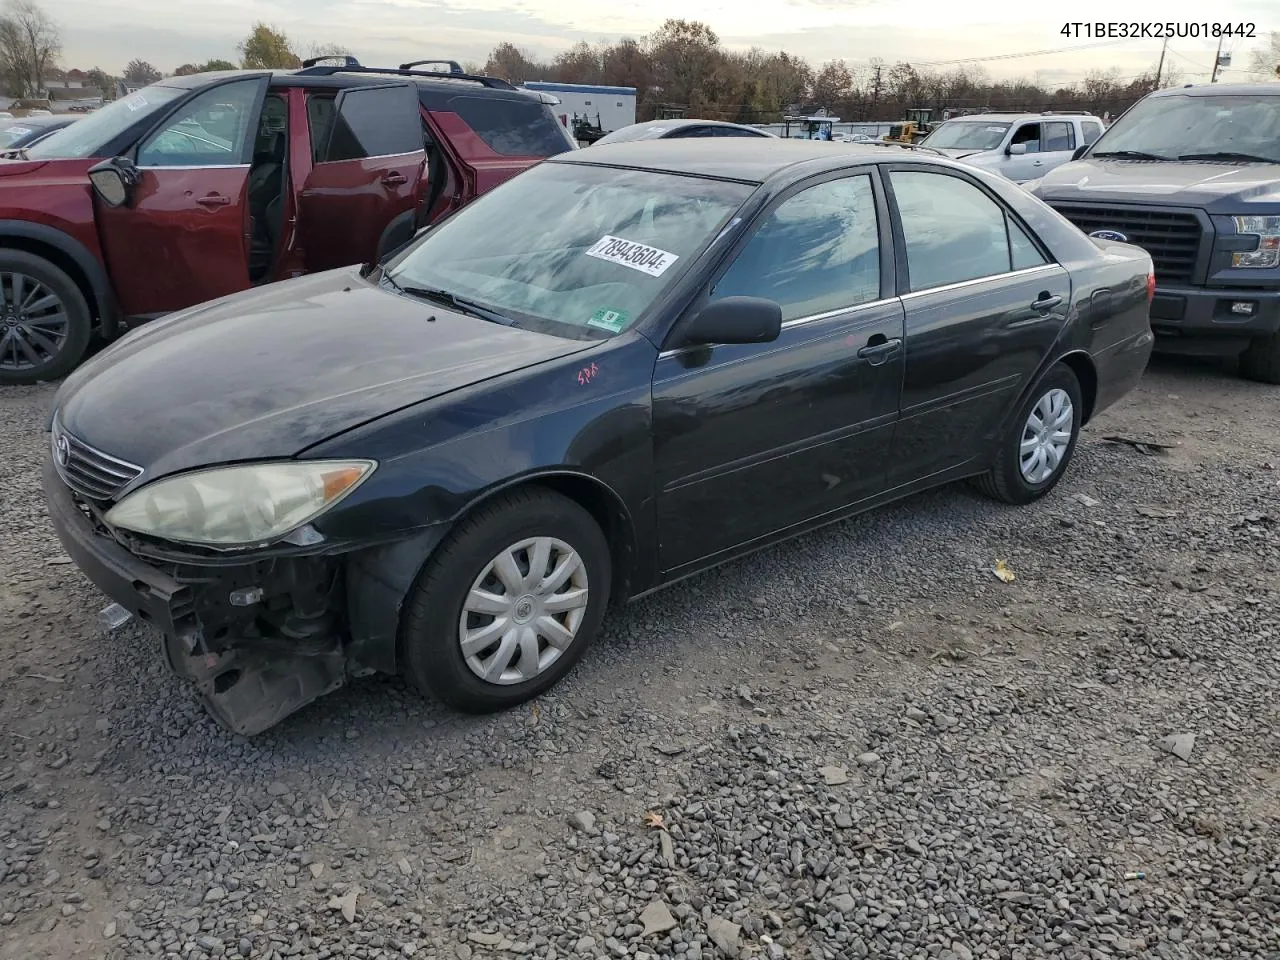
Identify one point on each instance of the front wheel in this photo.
(1035, 451)
(45, 324)
(508, 604)
(1261, 360)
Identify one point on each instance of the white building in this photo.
(609, 108)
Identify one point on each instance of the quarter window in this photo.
(955, 232)
(818, 251)
(211, 130)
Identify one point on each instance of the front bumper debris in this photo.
(253, 664)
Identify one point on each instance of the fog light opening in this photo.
(225, 681)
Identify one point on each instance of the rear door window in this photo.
(375, 122)
(1058, 136)
(511, 127)
(1092, 130)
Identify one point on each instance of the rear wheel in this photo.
(1035, 451)
(45, 324)
(1261, 360)
(508, 604)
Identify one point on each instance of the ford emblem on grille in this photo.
(1110, 235)
(62, 450)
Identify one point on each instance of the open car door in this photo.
(368, 171)
(182, 238)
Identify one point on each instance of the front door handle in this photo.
(214, 200)
(1045, 302)
(394, 179)
(879, 351)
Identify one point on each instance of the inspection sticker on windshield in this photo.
(18, 131)
(637, 256)
(136, 102)
(611, 320)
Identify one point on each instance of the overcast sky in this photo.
(108, 33)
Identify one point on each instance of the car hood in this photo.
(1215, 187)
(269, 373)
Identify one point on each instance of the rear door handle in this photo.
(214, 200)
(877, 353)
(1045, 303)
(394, 179)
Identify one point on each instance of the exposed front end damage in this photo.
(259, 638)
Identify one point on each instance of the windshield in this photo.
(15, 132)
(966, 135)
(88, 136)
(568, 245)
(1173, 127)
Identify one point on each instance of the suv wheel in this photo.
(45, 323)
(1261, 361)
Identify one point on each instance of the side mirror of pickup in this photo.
(1080, 151)
(114, 181)
(734, 320)
(1016, 149)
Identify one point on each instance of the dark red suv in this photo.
(201, 186)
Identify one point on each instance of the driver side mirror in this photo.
(1080, 151)
(1016, 149)
(735, 320)
(114, 181)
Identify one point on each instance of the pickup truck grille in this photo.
(89, 472)
(1172, 239)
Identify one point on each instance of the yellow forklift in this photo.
(915, 128)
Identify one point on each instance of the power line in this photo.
(1014, 56)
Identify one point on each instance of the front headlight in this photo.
(1267, 254)
(238, 506)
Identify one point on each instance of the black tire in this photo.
(430, 647)
(1005, 481)
(15, 365)
(1261, 360)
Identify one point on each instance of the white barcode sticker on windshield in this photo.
(136, 102)
(637, 256)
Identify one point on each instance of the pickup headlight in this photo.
(242, 506)
(1267, 230)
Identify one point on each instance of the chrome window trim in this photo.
(380, 156)
(960, 284)
(198, 166)
(857, 308)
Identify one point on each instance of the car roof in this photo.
(747, 161)
(1014, 117)
(338, 79)
(1222, 90)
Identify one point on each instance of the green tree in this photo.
(30, 43)
(186, 70)
(683, 55)
(267, 49)
(213, 66)
(140, 73)
(102, 81)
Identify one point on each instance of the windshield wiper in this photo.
(461, 304)
(1130, 155)
(1229, 155)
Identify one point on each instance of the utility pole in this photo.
(1160, 69)
(1217, 59)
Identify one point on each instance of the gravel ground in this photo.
(860, 744)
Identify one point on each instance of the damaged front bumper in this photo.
(259, 638)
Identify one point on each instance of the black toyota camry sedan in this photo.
(623, 366)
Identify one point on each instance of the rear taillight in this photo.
(1151, 286)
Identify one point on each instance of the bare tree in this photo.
(30, 43)
(1264, 63)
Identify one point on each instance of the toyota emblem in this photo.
(62, 450)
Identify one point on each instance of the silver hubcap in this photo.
(523, 611)
(34, 325)
(1046, 436)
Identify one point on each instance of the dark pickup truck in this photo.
(1192, 174)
